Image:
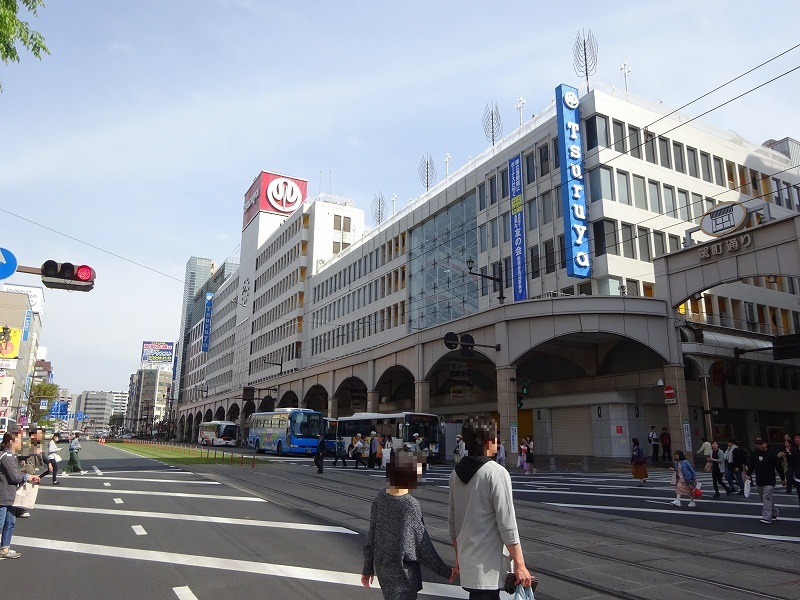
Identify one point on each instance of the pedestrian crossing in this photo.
(171, 533)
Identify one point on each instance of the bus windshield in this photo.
(228, 431)
(425, 425)
(306, 425)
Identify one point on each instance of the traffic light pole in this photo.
(29, 270)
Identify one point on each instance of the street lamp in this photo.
(499, 280)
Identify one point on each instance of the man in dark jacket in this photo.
(319, 455)
(763, 463)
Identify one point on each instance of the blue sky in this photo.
(144, 128)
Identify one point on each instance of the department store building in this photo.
(571, 252)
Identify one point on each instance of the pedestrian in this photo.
(10, 479)
(717, 462)
(74, 464)
(319, 454)
(638, 462)
(529, 468)
(705, 451)
(785, 456)
(763, 464)
(358, 451)
(794, 465)
(523, 451)
(482, 521)
(460, 450)
(501, 453)
(340, 452)
(373, 449)
(736, 463)
(422, 449)
(653, 438)
(53, 458)
(387, 450)
(666, 444)
(397, 543)
(684, 478)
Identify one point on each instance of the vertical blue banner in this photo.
(518, 246)
(207, 322)
(573, 190)
(26, 325)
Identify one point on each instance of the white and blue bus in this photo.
(286, 431)
(218, 433)
(401, 426)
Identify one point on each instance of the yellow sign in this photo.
(9, 342)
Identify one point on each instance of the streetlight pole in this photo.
(520, 103)
(625, 70)
(499, 280)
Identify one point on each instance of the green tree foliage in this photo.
(14, 31)
(38, 392)
(116, 421)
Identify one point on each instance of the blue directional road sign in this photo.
(42, 403)
(8, 263)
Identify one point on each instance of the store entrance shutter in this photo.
(572, 431)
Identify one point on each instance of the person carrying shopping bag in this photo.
(684, 479)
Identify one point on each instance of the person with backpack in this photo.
(684, 479)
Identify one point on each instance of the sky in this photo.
(131, 146)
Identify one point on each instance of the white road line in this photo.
(774, 538)
(195, 518)
(151, 480)
(97, 471)
(118, 501)
(106, 484)
(225, 564)
(138, 530)
(171, 494)
(151, 471)
(674, 511)
(184, 593)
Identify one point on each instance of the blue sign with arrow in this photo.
(8, 263)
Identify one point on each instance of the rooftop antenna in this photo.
(625, 70)
(492, 123)
(394, 199)
(447, 158)
(585, 56)
(427, 171)
(519, 106)
(379, 210)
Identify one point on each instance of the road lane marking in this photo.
(118, 501)
(674, 511)
(196, 518)
(151, 480)
(138, 530)
(97, 471)
(774, 538)
(170, 494)
(226, 564)
(151, 471)
(184, 593)
(106, 484)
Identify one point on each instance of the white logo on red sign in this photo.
(284, 194)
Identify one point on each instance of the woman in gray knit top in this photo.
(397, 542)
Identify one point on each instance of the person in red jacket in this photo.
(666, 445)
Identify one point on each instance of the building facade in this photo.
(569, 299)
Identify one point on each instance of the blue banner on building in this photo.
(518, 247)
(207, 322)
(573, 189)
(26, 325)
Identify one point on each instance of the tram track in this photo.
(296, 501)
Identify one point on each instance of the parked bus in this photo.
(218, 433)
(286, 431)
(401, 426)
(330, 435)
(7, 424)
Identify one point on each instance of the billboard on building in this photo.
(518, 244)
(35, 295)
(10, 339)
(274, 193)
(157, 352)
(207, 322)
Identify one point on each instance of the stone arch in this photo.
(629, 355)
(267, 404)
(479, 375)
(249, 409)
(289, 400)
(219, 414)
(233, 412)
(186, 434)
(181, 427)
(352, 395)
(317, 398)
(208, 416)
(197, 420)
(395, 389)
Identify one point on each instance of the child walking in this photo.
(397, 542)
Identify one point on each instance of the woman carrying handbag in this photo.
(11, 478)
(684, 477)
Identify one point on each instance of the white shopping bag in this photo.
(747, 489)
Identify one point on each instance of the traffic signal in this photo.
(67, 276)
(525, 387)
(520, 398)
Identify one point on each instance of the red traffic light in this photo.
(84, 273)
(67, 276)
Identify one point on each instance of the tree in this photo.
(40, 391)
(14, 31)
(116, 421)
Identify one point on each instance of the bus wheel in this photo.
(279, 450)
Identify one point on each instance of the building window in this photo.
(482, 196)
(562, 252)
(659, 244)
(643, 237)
(533, 216)
(696, 208)
(337, 222)
(605, 237)
(337, 247)
(619, 136)
(684, 210)
(600, 184)
(623, 193)
(507, 275)
(639, 192)
(585, 289)
(504, 183)
(482, 238)
(650, 147)
(549, 257)
(506, 217)
(628, 243)
(547, 208)
(663, 150)
(497, 273)
(677, 155)
(719, 172)
(674, 243)
(484, 281)
(776, 191)
(346, 224)
(654, 190)
(494, 233)
(634, 135)
(596, 132)
(556, 157)
(535, 266)
(544, 160)
(669, 202)
(530, 168)
(492, 191)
